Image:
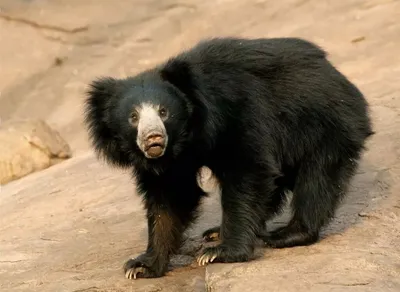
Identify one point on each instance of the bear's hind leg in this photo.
(317, 193)
(273, 207)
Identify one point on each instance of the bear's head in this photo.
(137, 120)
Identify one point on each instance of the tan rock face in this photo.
(27, 146)
(71, 227)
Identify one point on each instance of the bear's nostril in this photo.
(154, 136)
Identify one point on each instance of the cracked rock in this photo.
(27, 146)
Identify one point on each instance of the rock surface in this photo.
(70, 227)
(27, 146)
(84, 221)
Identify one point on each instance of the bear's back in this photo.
(250, 52)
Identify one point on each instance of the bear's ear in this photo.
(99, 97)
(101, 90)
(99, 117)
(178, 73)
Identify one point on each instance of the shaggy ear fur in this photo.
(99, 101)
(102, 98)
(102, 88)
(178, 73)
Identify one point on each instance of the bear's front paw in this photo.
(222, 254)
(138, 268)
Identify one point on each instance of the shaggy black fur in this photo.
(265, 115)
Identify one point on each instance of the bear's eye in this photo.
(162, 112)
(134, 118)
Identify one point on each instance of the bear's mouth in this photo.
(152, 145)
(154, 150)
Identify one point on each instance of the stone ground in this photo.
(71, 226)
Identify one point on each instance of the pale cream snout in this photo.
(152, 136)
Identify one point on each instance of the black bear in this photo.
(265, 115)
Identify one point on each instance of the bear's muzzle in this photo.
(154, 145)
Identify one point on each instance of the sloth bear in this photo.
(265, 115)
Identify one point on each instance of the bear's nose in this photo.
(155, 138)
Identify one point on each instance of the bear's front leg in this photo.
(171, 207)
(242, 214)
(163, 238)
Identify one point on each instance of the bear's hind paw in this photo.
(212, 234)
